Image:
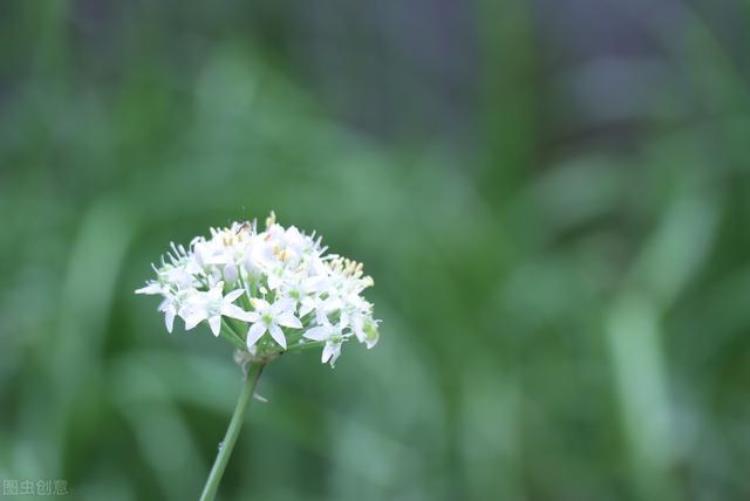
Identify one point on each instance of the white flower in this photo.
(169, 307)
(288, 278)
(333, 337)
(354, 312)
(212, 305)
(270, 318)
(301, 291)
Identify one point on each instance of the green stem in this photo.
(226, 447)
(306, 346)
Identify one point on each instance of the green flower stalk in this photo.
(227, 445)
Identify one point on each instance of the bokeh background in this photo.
(552, 196)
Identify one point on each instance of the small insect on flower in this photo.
(245, 284)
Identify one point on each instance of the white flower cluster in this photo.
(246, 284)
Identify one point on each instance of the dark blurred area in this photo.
(552, 196)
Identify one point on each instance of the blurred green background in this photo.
(552, 196)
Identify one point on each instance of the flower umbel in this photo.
(279, 282)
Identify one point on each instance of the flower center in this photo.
(214, 307)
(267, 318)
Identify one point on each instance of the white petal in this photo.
(321, 317)
(331, 352)
(152, 288)
(344, 319)
(327, 353)
(284, 305)
(251, 316)
(215, 293)
(165, 304)
(231, 297)
(215, 324)
(192, 319)
(357, 329)
(169, 319)
(278, 335)
(289, 320)
(336, 353)
(231, 273)
(260, 304)
(254, 333)
(234, 311)
(316, 334)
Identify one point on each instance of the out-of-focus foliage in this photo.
(553, 198)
